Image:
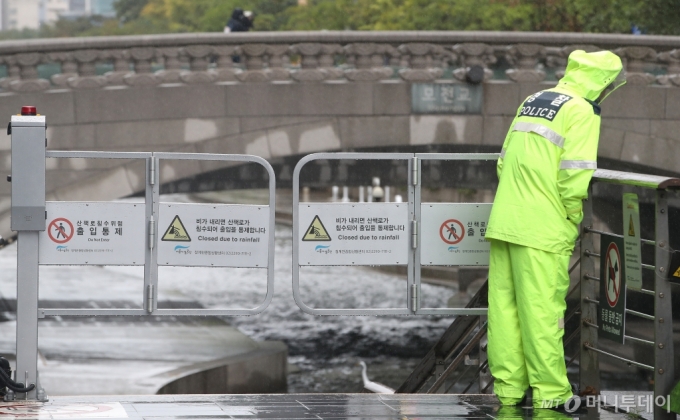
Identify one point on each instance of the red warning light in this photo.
(28, 110)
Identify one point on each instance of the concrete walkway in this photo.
(290, 406)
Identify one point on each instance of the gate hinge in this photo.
(414, 234)
(415, 172)
(152, 171)
(414, 297)
(149, 298)
(152, 232)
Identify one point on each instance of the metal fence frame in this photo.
(152, 202)
(420, 157)
(296, 235)
(589, 372)
(413, 295)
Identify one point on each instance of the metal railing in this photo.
(415, 56)
(662, 318)
(446, 368)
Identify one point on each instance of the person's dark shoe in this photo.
(526, 400)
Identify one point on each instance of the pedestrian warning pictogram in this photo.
(316, 231)
(452, 231)
(631, 227)
(176, 232)
(60, 230)
(613, 273)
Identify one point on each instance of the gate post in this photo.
(29, 143)
(589, 365)
(663, 311)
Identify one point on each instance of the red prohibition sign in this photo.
(613, 274)
(58, 232)
(450, 233)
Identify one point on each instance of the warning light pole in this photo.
(29, 143)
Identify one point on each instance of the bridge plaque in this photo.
(446, 98)
(224, 235)
(93, 234)
(354, 234)
(454, 234)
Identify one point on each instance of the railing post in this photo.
(28, 220)
(663, 311)
(29, 81)
(198, 59)
(589, 364)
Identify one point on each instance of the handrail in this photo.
(638, 180)
(445, 37)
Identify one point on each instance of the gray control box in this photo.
(28, 172)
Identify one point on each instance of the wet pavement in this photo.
(287, 406)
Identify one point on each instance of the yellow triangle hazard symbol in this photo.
(631, 227)
(316, 231)
(677, 273)
(176, 232)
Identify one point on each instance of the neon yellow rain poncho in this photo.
(548, 158)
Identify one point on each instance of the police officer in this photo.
(548, 158)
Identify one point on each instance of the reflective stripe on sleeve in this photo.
(502, 153)
(578, 164)
(542, 131)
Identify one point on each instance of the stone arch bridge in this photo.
(283, 95)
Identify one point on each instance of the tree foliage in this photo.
(159, 16)
(127, 10)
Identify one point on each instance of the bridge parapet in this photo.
(270, 57)
(296, 93)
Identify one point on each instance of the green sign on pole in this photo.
(611, 316)
(631, 239)
(446, 98)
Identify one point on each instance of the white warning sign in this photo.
(93, 234)
(354, 234)
(454, 234)
(213, 235)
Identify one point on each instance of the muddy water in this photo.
(324, 350)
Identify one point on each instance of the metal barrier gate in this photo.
(145, 234)
(319, 243)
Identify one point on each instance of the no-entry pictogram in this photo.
(613, 274)
(452, 231)
(611, 314)
(60, 230)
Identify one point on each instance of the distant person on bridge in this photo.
(240, 21)
(546, 163)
